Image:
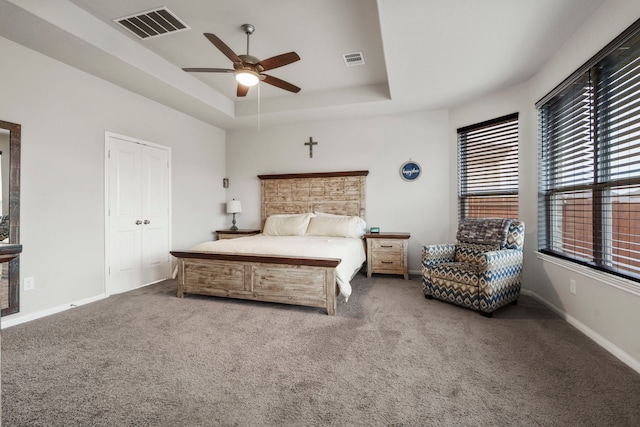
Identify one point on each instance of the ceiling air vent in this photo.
(353, 59)
(152, 23)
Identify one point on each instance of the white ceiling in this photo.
(419, 54)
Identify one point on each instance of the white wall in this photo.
(377, 144)
(64, 114)
(601, 310)
(512, 100)
(608, 314)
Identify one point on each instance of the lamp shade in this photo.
(247, 77)
(234, 206)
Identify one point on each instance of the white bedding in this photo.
(350, 250)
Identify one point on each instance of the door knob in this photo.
(146, 221)
(138, 222)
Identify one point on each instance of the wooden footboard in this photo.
(299, 281)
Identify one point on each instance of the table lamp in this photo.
(233, 207)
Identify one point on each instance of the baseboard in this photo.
(12, 321)
(8, 322)
(599, 339)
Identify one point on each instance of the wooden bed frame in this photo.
(301, 280)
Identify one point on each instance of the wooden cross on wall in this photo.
(311, 143)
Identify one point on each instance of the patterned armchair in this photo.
(482, 271)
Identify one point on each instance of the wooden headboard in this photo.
(340, 193)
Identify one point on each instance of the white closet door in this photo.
(137, 214)
(155, 214)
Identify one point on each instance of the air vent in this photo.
(152, 23)
(353, 59)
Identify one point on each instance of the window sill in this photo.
(608, 279)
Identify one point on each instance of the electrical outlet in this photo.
(572, 286)
(29, 283)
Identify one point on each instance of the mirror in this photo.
(10, 214)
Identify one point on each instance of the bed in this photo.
(225, 268)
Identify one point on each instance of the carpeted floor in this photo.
(389, 357)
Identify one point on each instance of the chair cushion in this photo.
(485, 231)
(470, 253)
(455, 274)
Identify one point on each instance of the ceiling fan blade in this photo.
(208, 70)
(223, 47)
(242, 90)
(279, 61)
(280, 83)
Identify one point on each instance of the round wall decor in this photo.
(410, 171)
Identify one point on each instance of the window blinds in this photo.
(589, 149)
(488, 169)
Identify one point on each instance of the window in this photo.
(488, 169)
(589, 162)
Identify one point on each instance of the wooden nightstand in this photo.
(228, 234)
(387, 253)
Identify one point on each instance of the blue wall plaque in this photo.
(410, 171)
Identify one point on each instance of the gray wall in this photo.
(601, 308)
(377, 144)
(64, 114)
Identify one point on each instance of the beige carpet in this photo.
(389, 357)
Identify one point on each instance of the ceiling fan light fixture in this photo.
(248, 69)
(247, 77)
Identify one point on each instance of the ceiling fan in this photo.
(248, 69)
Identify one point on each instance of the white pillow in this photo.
(286, 224)
(336, 225)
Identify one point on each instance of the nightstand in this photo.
(387, 253)
(228, 234)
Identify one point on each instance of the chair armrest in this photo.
(437, 254)
(499, 267)
(493, 260)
